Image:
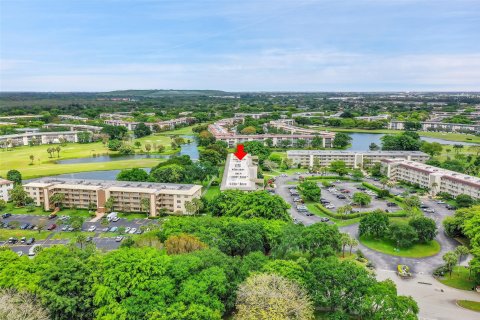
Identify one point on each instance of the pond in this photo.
(362, 141)
(189, 149)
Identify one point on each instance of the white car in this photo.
(92, 228)
(127, 229)
(115, 219)
(330, 206)
(133, 230)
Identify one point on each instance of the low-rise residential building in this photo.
(433, 178)
(374, 118)
(163, 125)
(36, 138)
(127, 196)
(74, 127)
(241, 174)
(5, 186)
(252, 115)
(352, 159)
(437, 126)
(72, 118)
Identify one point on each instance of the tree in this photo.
(361, 198)
(15, 176)
(433, 148)
(212, 156)
(58, 149)
(373, 147)
(194, 206)
(172, 173)
(352, 243)
(269, 296)
(135, 174)
(137, 144)
(341, 140)
(205, 138)
(346, 239)
(114, 145)
(160, 148)
(81, 240)
(183, 243)
(148, 147)
(461, 251)
(109, 204)
(408, 141)
(309, 190)
(411, 203)
(339, 167)
(404, 235)
(142, 130)
(3, 204)
(126, 149)
(317, 142)
(357, 175)
(451, 259)
(258, 149)
(76, 223)
(84, 137)
(57, 198)
(18, 196)
(374, 224)
(115, 132)
(425, 227)
(32, 157)
(248, 130)
(464, 201)
(457, 148)
(145, 205)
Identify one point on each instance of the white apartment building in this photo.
(434, 178)
(241, 174)
(352, 159)
(72, 118)
(74, 127)
(165, 125)
(25, 139)
(127, 196)
(5, 186)
(437, 126)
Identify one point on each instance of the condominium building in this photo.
(252, 115)
(72, 118)
(221, 131)
(438, 126)
(127, 196)
(434, 178)
(73, 127)
(25, 139)
(374, 118)
(5, 186)
(165, 125)
(352, 159)
(241, 174)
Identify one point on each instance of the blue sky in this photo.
(262, 45)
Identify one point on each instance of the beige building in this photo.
(25, 139)
(241, 174)
(352, 159)
(5, 186)
(165, 125)
(434, 178)
(127, 196)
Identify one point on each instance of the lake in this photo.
(362, 141)
(189, 149)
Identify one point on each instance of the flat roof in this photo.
(347, 152)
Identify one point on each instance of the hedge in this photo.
(353, 215)
(327, 177)
(377, 190)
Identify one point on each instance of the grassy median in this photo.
(460, 279)
(419, 250)
(471, 305)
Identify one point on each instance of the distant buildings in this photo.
(163, 125)
(74, 127)
(5, 185)
(437, 126)
(221, 131)
(30, 116)
(353, 159)
(72, 118)
(241, 174)
(433, 178)
(35, 138)
(127, 196)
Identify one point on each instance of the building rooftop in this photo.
(347, 152)
(5, 181)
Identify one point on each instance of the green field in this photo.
(471, 305)
(70, 235)
(17, 233)
(212, 192)
(459, 279)
(19, 157)
(419, 250)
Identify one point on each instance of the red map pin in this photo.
(240, 153)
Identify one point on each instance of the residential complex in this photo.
(5, 185)
(73, 127)
(221, 131)
(72, 118)
(353, 159)
(241, 174)
(163, 125)
(127, 196)
(434, 178)
(34, 138)
(437, 126)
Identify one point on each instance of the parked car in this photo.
(31, 252)
(115, 219)
(127, 229)
(51, 227)
(118, 239)
(12, 240)
(324, 219)
(65, 227)
(330, 206)
(139, 231)
(91, 229)
(52, 216)
(423, 206)
(341, 196)
(113, 229)
(24, 226)
(20, 253)
(309, 214)
(133, 230)
(450, 207)
(89, 239)
(429, 210)
(105, 229)
(440, 202)
(392, 204)
(23, 240)
(6, 215)
(31, 227)
(30, 241)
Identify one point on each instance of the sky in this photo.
(240, 45)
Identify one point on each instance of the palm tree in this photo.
(345, 240)
(145, 204)
(383, 182)
(353, 243)
(58, 151)
(32, 157)
(81, 239)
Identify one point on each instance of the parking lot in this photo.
(346, 190)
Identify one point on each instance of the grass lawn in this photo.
(388, 247)
(212, 192)
(459, 279)
(70, 235)
(17, 233)
(132, 215)
(313, 209)
(39, 211)
(471, 305)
